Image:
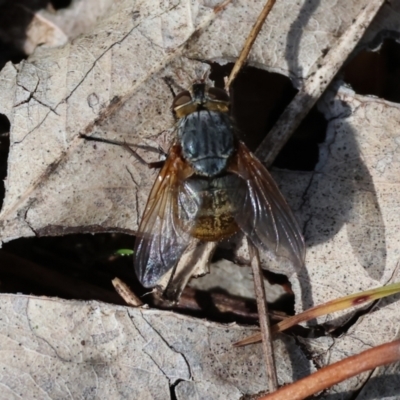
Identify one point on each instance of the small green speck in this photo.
(124, 252)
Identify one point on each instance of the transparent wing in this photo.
(266, 217)
(161, 241)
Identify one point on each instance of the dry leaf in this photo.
(109, 83)
(353, 225)
(60, 349)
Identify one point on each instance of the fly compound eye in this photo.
(217, 94)
(181, 99)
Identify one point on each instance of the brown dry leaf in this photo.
(109, 83)
(53, 348)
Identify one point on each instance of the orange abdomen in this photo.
(207, 207)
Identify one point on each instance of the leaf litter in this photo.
(113, 75)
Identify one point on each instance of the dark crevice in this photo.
(58, 4)
(82, 267)
(9, 52)
(376, 72)
(286, 302)
(172, 389)
(4, 150)
(73, 266)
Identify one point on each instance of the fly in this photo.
(210, 187)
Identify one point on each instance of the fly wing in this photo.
(160, 240)
(265, 217)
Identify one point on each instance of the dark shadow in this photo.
(258, 99)
(294, 37)
(301, 152)
(245, 312)
(9, 52)
(342, 186)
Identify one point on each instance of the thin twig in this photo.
(253, 252)
(263, 317)
(126, 293)
(332, 374)
(249, 43)
(315, 85)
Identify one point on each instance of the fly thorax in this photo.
(207, 140)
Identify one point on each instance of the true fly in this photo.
(210, 187)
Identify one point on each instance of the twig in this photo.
(326, 377)
(263, 317)
(253, 252)
(249, 43)
(126, 293)
(315, 85)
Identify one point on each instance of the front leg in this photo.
(128, 147)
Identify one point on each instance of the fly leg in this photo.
(154, 164)
(171, 83)
(129, 147)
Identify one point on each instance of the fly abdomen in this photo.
(207, 140)
(207, 208)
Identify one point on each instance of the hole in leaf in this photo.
(258, 99)
(376, 72)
